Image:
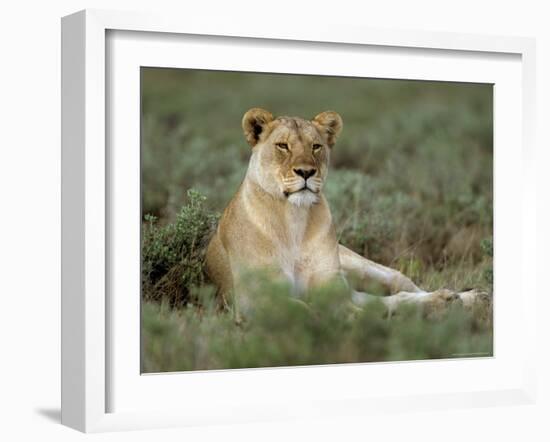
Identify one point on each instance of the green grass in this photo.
(410, 186)
(283, 332)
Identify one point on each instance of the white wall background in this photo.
(30, 215)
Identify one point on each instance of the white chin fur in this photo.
(305, 198)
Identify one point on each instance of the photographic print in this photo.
(294, 220)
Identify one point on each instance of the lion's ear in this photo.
(330, 124)
(254, 122)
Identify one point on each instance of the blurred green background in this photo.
(410, 185)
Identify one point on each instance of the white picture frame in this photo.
(87, 354)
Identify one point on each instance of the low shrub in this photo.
(172, 255)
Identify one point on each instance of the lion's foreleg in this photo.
(392, 279)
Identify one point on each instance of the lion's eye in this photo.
(282, 146)
(317, 146)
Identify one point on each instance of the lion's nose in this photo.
(305, 173)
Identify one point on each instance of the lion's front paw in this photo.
(432, 301)
(471, 298)
(439, 301)
(479, 302)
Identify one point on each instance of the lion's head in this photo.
(290, 155)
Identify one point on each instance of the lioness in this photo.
(280, 220)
